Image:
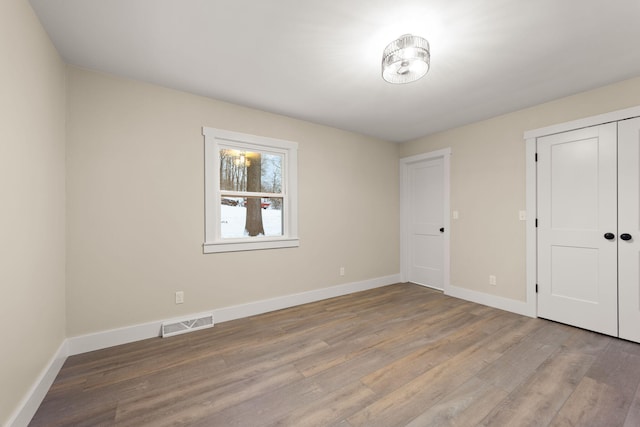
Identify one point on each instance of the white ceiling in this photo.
(319, 60)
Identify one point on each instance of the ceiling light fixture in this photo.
(406, 59)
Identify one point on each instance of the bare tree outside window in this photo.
(272, 177)
(253, 225)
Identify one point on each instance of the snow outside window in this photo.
(250, 192)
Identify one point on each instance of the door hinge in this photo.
(536, 288)
(536, 222)
(536, 157)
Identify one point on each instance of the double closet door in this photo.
(588, 185)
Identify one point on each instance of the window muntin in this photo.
(250, 192)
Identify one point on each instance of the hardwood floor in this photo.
(393, 356)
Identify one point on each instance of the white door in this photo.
(629, 223)
(425, 188)
(577, 207)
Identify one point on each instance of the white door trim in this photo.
(531, 230)
(600, 119)
(445, 154)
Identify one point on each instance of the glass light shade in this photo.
(406, 59)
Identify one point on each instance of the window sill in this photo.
(210, 248)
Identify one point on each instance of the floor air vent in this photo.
(182, 326)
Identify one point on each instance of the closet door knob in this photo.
(625, 236)
(609, 236)
(442, 229)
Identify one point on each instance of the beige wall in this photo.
(135, 215)
(32, 228)
(488, 185)
(134, 201)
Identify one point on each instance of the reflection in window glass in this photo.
(237, 168)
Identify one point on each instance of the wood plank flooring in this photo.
(402, 355)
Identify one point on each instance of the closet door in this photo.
(577, 233)
(629, 223)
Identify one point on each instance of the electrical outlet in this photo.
(342, 271)
(492, 280)
(179, 297)
(522, 215)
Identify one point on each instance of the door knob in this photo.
(625, 236)
(609, 236)
(442, 229)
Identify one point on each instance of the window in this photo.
(250, 192)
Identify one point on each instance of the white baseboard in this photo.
(31, 401)
(113, 337)
(519, 307)
(273, 304)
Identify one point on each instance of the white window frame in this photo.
(214, 140)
